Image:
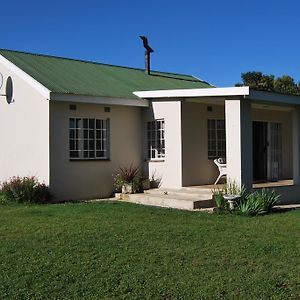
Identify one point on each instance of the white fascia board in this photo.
(185, 93)
(261, 96)
(98, 100)
(27, 78)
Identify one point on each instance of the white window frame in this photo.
(156, 148)
(216, 136)
(88, 138)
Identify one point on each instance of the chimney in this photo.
(148, 51)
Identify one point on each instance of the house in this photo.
(72, 123)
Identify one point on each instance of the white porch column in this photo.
(239, 142)
(296, 145)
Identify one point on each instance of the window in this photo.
(88, 138)
(156, 139)
(216, 138)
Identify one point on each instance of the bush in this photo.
(128, 175)
(251, 204)
(24, 190)
(258, 203)
(221, 203)
(232, 188)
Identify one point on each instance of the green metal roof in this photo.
(70, 76)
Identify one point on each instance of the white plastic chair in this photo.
(220, 163)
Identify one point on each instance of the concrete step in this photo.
(170, 201)
(195, 194)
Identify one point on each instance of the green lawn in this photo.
(123, 251)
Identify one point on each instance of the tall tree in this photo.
(285, 85)
(260, 81)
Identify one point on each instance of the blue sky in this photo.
(214, 40)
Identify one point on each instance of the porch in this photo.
(260, 138)
(200, 197)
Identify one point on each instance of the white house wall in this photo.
(24, 129)
(197, 169)
(168, 171)
(75, 180)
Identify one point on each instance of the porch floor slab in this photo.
(258, 185)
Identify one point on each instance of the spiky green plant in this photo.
(258, 203)
(232, 188)
(221, 203)
(128, 173)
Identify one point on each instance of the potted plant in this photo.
(127, 180)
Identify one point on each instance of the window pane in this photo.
(98, 134)
(220, 134)
(153, 153)
(220, 124)
(91, 144)
(72, 145)
(72, 134)
(85, 123)
(85, 145)
(98, 124)
(71, 123)
(98, 144)
(85, 133)
(100, 154)
(92, 134)
(91, 123)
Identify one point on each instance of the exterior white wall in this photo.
(24, 130)
(169, 170)
(197, 168)
(90, 179)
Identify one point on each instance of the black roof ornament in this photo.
(148, 50)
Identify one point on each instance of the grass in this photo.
(123, 251)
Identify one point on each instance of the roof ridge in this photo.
(192, 78)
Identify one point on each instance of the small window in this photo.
(156, 139)
(88, 138)
(216, 139)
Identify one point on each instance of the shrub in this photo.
(221, 203)
(258, 203)
(118, 182)
(128, 175)
(232, 188)
(24, 190)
